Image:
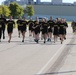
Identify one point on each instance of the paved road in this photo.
(29, 58)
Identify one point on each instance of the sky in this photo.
(66, 1)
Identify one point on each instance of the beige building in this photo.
(56, 1)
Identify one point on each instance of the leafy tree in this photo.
(30, 10)
(0, 9)
(4, 10)
(16, 9)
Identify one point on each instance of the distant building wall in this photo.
(55, 10)
(57, 1)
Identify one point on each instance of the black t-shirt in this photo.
(44, 25)
(2, 21)
(51, 23)
(66, 25)
(30, 23)
(10, 23)
(24, 23)
(56, 25)
(19, 22)
(61, 25)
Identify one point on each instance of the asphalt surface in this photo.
(29, 58)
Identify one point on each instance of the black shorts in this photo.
(65, 32)
(3, 27)
(56, 32)
(44, 31)
(37, 31)
(23, 29)
(19, 28)
(31, 29)
(49, 30)
(10, 30)
(61, 31)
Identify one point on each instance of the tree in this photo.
(16, 9)
(0, 9)
(4, 10)
(30, 10)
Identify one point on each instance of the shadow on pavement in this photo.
(52, 73)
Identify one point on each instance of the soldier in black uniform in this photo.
(44, 29)
(3, 22)
(62, 30)
(51, 23)
(0, 31)
(23, 28)
(65, 28)
(56, 30)
(19, 27)
(36, 28)
(10, 25)
(37, 20)
(30, 25)
(73, 25)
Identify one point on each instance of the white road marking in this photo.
(40, 72)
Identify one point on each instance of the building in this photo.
(21, 2)
(57, 2)
(30, 2)
(38, 1)
(74, 3)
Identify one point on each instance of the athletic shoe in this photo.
(50, 40)
(61, 42)
(60, 38)
(44, 41)
(22, 40)
(8, 41)
(3, 37)
(64, 38)
(37, 41)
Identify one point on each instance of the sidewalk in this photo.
(66, 62)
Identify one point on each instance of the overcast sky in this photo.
(68, 1)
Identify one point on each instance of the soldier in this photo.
(73, 25)
(36, 28)
(51, 23)
(3, 22)
(23, 28)
(10, 24)
(56, 30)
(19, 27)
(44, 29)
(30, 24)
(0, 31)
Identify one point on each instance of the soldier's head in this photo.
(50, 17)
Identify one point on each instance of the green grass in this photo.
(69, 22)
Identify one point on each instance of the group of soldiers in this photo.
(44, 27)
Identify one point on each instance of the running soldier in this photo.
(10, 26)
(62, 30)
(19, 26)
(3, 23)
(30, 24)
(23, 28)
(56, 30)
(73, 24)
(44, 29)
(36, 28)
(51, 23)
(65, 28)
